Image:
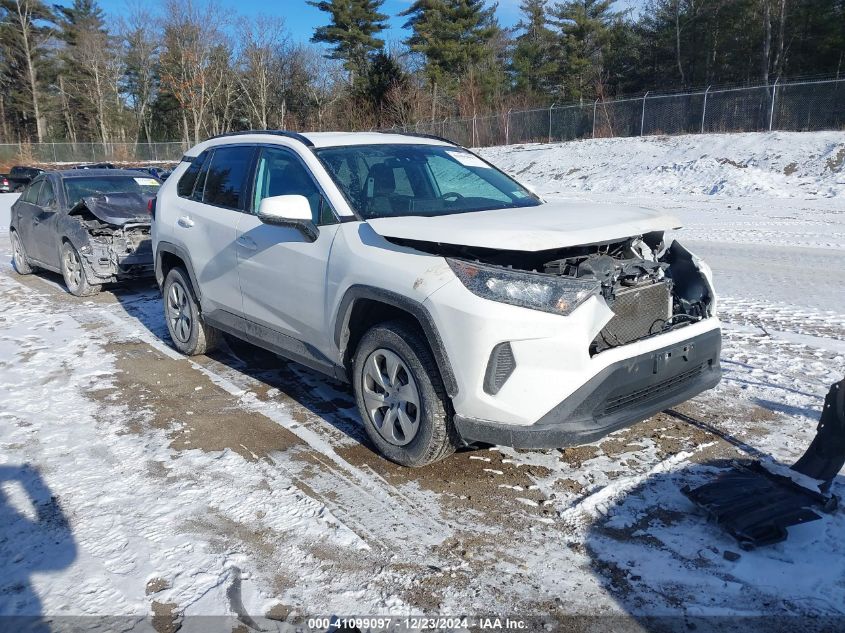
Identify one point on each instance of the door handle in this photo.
(185, 222)
(247, 243)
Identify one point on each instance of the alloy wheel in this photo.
(17, 250)
(179, 312)
(391, 397)
(73, 269)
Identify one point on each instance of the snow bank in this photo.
(778, 164)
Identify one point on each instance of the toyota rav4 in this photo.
(463, 308)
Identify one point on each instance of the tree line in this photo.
(185, 69)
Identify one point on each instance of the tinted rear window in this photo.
(78, 188)
(227, 176)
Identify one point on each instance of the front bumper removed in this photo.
(622, 394)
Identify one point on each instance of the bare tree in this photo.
(188, 68)
(98, 54)
(141, 51)
(263, 42)
(327, 85)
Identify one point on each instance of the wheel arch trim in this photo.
(182, 254)
(414, 309)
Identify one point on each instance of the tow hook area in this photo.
(756, 501)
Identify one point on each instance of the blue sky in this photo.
(301, 18)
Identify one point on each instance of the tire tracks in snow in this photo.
(364, 502)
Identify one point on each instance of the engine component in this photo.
(639, 312)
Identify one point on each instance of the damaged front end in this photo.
(112, 235)
(651, 286)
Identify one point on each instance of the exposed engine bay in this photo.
(652, 287)
(114, 237)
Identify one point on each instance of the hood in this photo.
(554, 224)
(115, 208)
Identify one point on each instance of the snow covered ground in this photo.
(135, 482)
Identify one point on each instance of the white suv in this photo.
(463, 308)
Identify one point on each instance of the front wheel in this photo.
(401, 397)
(188, 331)
(74, 274)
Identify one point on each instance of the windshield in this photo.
(79, 188)
(399, 180)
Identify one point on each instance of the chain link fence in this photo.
(795, 106)
(75, 153)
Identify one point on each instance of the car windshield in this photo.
(83, 187)
(400, 180)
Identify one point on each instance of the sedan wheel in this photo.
(74, 273)
(73, 269)
(391, 397)
(19, 256)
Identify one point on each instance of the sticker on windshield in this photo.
(147, 182)
(468, 160)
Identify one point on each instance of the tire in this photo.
(74, 273)
(411, 435)
(19, 259)
(189, 333)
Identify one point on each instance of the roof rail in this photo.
(294, 135)
(417, 134)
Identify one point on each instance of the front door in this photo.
(282, 273)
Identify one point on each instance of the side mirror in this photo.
(293, 211)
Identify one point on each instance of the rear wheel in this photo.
(401, 397)
(189, 333)
(74, 274)
(19, 256)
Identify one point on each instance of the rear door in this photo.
(24, 212)
(45, 240)
(206, 226)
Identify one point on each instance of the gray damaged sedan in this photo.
(92, 226)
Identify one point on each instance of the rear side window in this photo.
(31, 193)
(186, 184)
(226, 181)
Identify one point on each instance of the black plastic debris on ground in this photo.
(756, 505)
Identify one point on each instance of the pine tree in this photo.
(24, 34)
(532, 62)
(585, 27)
(352, 31)
(452, 35)
(83, 16)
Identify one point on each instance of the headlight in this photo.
(558, 295)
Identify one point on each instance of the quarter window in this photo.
(227, 175)
(186, 184)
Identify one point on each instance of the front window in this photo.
(94, 186)
(400, 180)
(280, 173)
